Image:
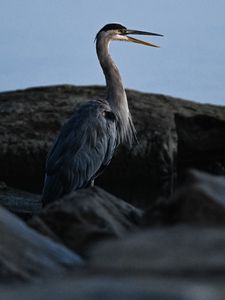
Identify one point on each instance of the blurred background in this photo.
(49, 42)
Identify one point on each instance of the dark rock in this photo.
(85, 217)
(30, 120)
(121, 288)
(200, 143)
(199, 201)
(22, 203)
(26, 255)
(182, 252)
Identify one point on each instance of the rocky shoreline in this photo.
(154, 226)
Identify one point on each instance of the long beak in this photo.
(133, 40)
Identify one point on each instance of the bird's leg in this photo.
(92, 183)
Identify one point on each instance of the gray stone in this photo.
(115, 288)
(201, 143)
(85, 217)
(179, 251)
(20, 202)
(27, 255)
(199, 201)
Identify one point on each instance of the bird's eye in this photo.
(109, 115)
(122, 31)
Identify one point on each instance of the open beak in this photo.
(133, 40)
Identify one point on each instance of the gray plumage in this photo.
(87, 141)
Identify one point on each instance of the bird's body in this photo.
(87, 141)
(72, 165)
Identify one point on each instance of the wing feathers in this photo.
(84, 146)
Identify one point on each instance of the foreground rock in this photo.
(122, 288)
(85, 217)
(26, 255)
(201, 143)
(173, 135)
(199, 201)
(175, 252)
(22, 203)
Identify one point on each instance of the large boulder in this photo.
(85, 217)
(179, 252)
(201, 142)
(26, 255)
(117, 288)
(22, 203)
(200, 200)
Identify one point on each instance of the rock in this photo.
(199, 201)
(22, 203)
(200, 143)
(111, 288)
(167, 130)
(176, 252)
(85, 217)
(26, 255)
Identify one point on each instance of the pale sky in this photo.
(47, 42)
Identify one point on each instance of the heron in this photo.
(89, 138)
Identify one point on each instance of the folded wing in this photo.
(82, 150)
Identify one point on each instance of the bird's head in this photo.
(118, 32)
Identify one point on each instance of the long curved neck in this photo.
(116, 95)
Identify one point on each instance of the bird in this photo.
(89, 138)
